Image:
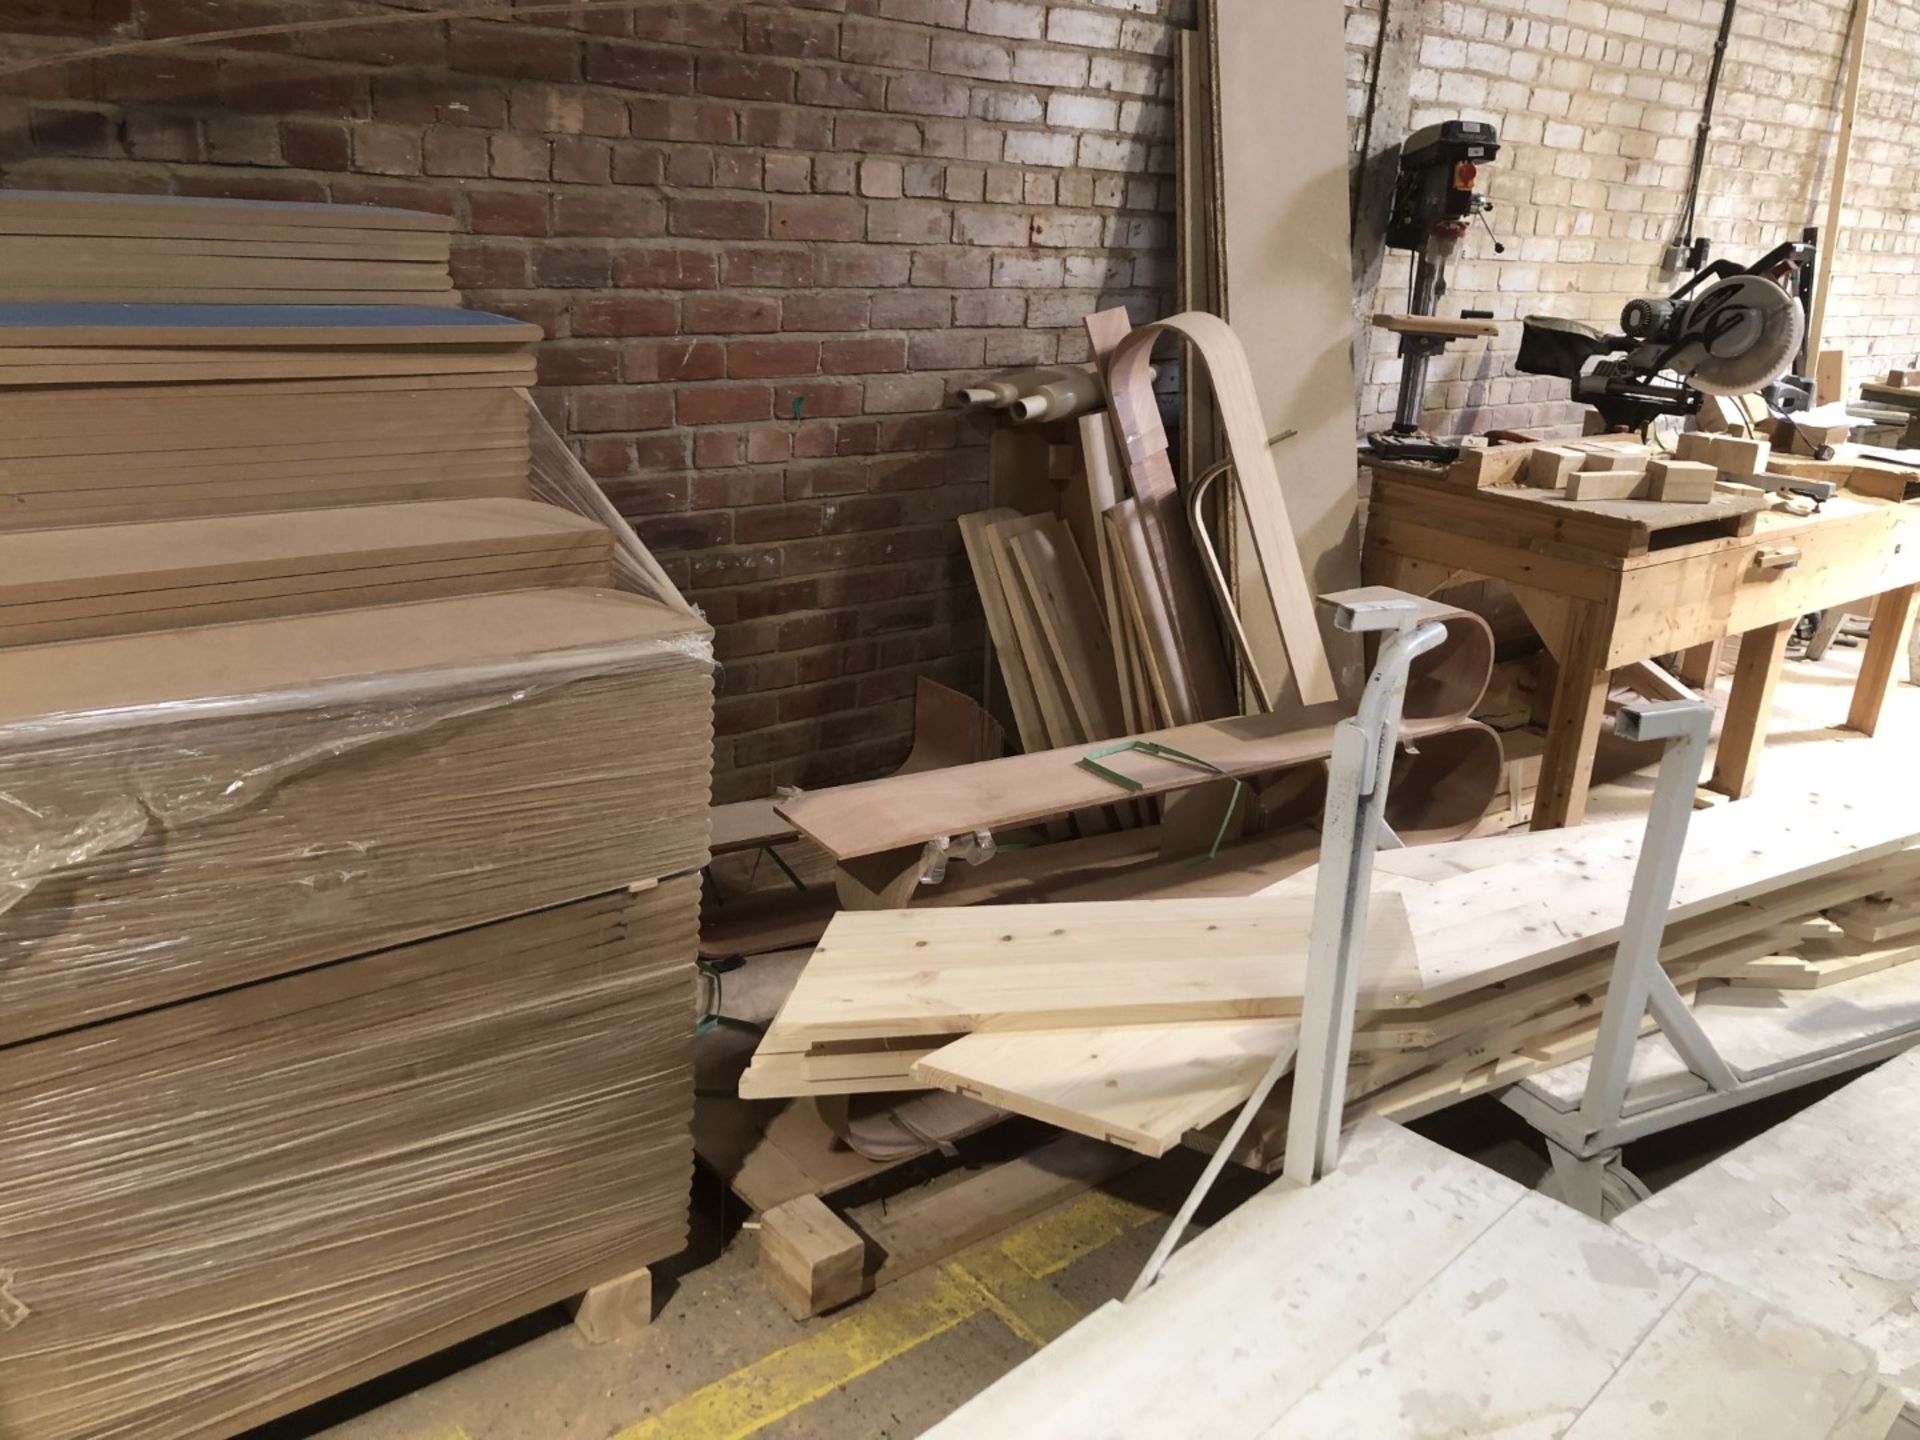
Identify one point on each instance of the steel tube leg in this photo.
(1637, 976)
(1362, 766)
(1582, 1178)
(1355, 828)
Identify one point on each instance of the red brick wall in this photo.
(764, 241)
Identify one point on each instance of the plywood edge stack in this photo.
(292, 883)
(62, 246)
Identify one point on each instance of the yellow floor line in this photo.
(1026, 1305)
(1004, 1278)
(776, 1385)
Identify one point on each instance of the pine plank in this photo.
(1139, 1086)
(883, 973)
(1062, 597)
(1015, 673)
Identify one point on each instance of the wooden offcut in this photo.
(616, 1310)
(1191, 657)
(1139, 1086)
(810, 1259)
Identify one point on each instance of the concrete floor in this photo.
(722, 1359)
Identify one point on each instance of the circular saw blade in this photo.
(1749, 329)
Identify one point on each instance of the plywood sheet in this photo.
(1820, 1214)
(1288, 285)
(1413, 1293)
(341, 1170)
(210, 807)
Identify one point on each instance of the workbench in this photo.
(1612, 583)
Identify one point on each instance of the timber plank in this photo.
(1063, 600)
(1015, 673)
(882, 973)
(1139, 1086)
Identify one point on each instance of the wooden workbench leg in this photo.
(1573, 725)
(1892, 619)
(1700, 665)
(1749, 705)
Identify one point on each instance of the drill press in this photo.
(1434, 202)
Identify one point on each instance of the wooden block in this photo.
(1480, 467)
(1606, 484)
(1687, 481)
(1442, 325)
(810, 1258)
(1829, 377)
(617, 1310)
(1802, 439)
(1694, 445)
(1903, 379)
(1550, 465)
(1887, 482)
(1737, 455)
(1592, 424)
(1614, 458)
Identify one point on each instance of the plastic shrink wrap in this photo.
(346, 993)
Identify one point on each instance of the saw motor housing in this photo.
(1727, 331)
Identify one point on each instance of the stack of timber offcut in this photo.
(348, 866)
(1143, 1022)
(57, 245)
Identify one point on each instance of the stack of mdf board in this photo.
(340, 1171)
(122, 412)
(191, 809)
(1145, 1021)
(75, 246)
(346, 967)
(157, 575)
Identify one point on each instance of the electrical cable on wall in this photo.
(1684, 250)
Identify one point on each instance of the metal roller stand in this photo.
(1585, 1144)
(1355, 827)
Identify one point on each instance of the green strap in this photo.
(1091, 761)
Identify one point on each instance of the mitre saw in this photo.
(1727, 331)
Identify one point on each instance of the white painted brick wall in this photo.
(1596, 102)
